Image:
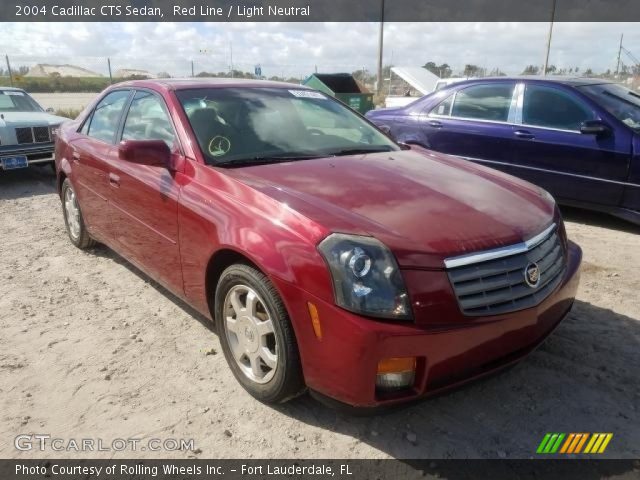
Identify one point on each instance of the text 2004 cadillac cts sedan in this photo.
(330, 257)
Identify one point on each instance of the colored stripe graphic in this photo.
(572, 443)
(567, 443)
(581, 443)
(556, 445)
(543, 443)
(590, 444)
(605, 443)
(550, 443)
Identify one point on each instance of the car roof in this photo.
(562, 79)
(206, 82)
(13, 89)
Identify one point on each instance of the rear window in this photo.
(484, 102)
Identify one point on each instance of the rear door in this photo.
(90, 156)
(144, 199)
(554, 154)
(474, 122)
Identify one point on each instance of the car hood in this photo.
(423, 205)
(25, 119)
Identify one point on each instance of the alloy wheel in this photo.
(72, 213)
(249, 329)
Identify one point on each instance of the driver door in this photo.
(144, 198)
(553, 153)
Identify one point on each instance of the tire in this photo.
(243, 337)
(76, 229)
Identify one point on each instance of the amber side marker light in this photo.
(396, 373)
(315, 320)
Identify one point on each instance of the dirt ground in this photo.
(75, 101)
(91, 348)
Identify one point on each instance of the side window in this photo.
(147, 119)
(443, 108)
(553, 108)
(484, 102)
(104, 121)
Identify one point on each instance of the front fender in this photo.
(232, 216)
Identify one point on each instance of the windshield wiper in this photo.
(264, 160)
(360, 150)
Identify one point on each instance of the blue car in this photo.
(578, 138)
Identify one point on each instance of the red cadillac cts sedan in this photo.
(330, 258)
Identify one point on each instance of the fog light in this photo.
(396, 373)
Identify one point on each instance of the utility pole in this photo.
(619, 52)
(192, 73)
(546, 58)
(109, 65)
(9, 68)
(380, 45)
(231, 57)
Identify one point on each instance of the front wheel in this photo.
(73, 219)
(256, 335)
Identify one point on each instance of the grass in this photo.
(68, 112)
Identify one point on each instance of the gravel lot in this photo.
(90, 347)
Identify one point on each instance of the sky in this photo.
(295, 49)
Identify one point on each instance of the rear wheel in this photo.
(73, 220)
(256, 335)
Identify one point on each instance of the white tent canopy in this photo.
(419, 78)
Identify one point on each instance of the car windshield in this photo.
(240, 126)
(17, 101)
(619, 101)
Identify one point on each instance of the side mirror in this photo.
(595, 127)
(50, 110)
(154, 153)
(385, 128)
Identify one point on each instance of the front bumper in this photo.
(342, 365)
(35, 153)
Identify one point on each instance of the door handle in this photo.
(524, 134)
(114, 180)
(434, 123)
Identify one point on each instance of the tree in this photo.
(432, 67)
(588, 72)
(471, 70)
(531, 70)
(445, 70)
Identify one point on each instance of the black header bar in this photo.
(318, 10)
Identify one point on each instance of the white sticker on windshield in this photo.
(11, 92)
(307, 94)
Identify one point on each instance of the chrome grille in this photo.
(33, 135)
(41, 134)
(24, 135)
(498, 285)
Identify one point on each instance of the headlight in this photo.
(55, 129)
(366, 277)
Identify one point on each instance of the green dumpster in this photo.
(343, 87)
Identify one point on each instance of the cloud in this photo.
(296, 49)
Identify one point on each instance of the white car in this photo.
(27, 131)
